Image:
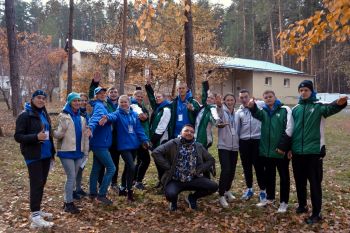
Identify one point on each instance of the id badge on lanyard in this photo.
(47, 133)
(131, 128)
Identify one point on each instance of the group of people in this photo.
(266, 134)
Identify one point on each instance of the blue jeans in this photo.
(129, 168)
(71, 168)
(101, 159)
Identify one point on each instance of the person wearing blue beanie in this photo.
(72, 145)
(33, 132)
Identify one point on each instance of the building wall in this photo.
(287, 94)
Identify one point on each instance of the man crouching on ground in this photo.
(185, 161)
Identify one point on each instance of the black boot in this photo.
(71, 208)
(131, 196)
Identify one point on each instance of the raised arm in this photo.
(150, 95)
(334, 107)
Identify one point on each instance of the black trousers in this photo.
(115, 154)
(308, 168)
(282, 166)
(160, 170)
(249, 154)
(228, 162)
(38, 172)
(201, 185)
(143, 160)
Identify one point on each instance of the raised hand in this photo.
(103, 121)
(97, 77)
(342, 100)
(251, 103)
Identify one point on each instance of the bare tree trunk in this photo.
(123, 52)
(244, 29)
(13, 57)
(70, 48)
(253, 40)
(272, 42)
(280, 27)
(189, 57)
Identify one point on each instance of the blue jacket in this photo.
(101, 135)
(130, 131)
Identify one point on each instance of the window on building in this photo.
(286, 82)
(268, 81)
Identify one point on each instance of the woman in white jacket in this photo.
(228, 145)
(72, 146)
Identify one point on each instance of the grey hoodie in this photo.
(248, 126)
(228, 136)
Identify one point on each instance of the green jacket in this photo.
(160, 118)
(145, 124)
(276, 128)
(309, 120)
(191, 114)
(207, 117)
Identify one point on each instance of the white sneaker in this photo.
(283, 208)
(39, 222)
(223, 202)
(229, 196)
(45, 214)
(262, 203)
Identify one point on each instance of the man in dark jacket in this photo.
(184, 162)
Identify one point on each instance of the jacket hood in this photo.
(311, 99)
(276, 105)
(68, 109)
(28, 107)
(188, 95)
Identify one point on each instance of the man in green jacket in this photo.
(276, 131)
(308, 146)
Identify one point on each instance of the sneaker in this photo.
(262, 199)
(39, 222)
(76, 196)
(172, 206)
(131, 196)
(229, 196)
(301, 209)
(71, 208)
(283, 208)
(223, 202)
(262, 196)
(139, 185)
(104, 200)
(270, 202)
(81, 193)
(122, 192)
(191, 201)
(247, 194)
(45, 215)
(313, 219)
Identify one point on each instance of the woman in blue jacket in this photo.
(34, 133)
(100, 142)
(130, 136)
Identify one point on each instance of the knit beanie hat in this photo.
(308, 84)
(39, 92)
(72, 96)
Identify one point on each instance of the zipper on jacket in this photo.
(268, 149)
(302, 132)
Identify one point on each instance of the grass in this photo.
(149, 213)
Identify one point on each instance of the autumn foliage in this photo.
(332, 21)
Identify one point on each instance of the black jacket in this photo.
(28, 125)
(166, 156)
